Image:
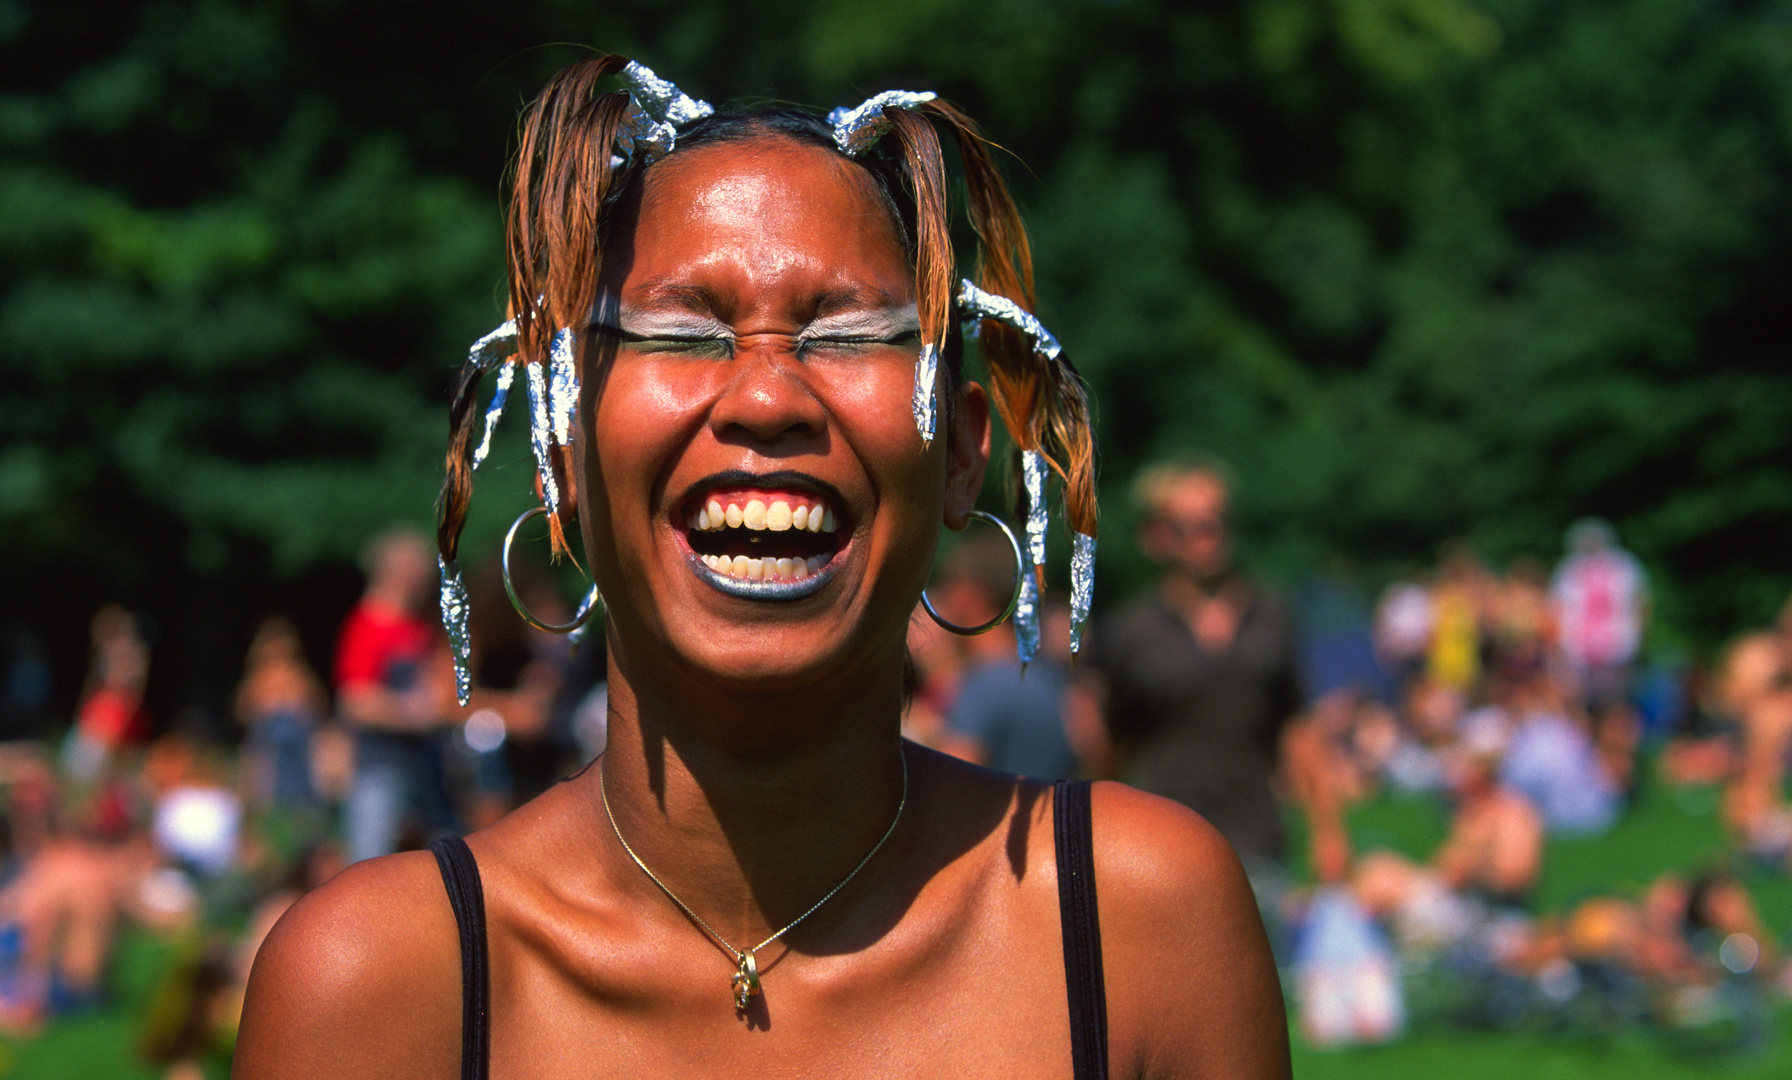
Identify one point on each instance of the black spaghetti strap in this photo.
(1073, 826)
(460, 875)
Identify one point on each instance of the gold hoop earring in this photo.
(1020, 574)
(585, 608)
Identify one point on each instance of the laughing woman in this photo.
(759, 876)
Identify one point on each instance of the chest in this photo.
(983, 995)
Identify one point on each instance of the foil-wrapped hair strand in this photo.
(984, 305)
(454, 620)
(563, 387)
(857, 129)
(500, 394)
(926, 401)
(649, 128)
(1026, 619)
(1082, 587)
(1033, 471)
(541, 436)
(494, 348)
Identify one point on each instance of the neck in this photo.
(1186, 589)
(749, 807)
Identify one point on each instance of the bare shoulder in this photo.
(359, 977)
(1192, 988)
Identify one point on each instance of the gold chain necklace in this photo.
(745, 981)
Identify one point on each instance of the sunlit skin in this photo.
(758, 332)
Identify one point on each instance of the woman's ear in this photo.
(967, 454)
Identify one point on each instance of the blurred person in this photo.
(1001, 716)
(1458, 602)
(1553, 760)
(1327, 766)
(196, 813)
(1431, 712)
(280, 702)
(65, 905)
(1198, 676)
(511, 748)
(111, 712)
(1404, 616)
(389, 692)
(1519, 629)
(1599, 600)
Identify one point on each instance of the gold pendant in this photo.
(746, 981)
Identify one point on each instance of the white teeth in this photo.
(799, 569)
(733, 517)
(815, 563)
(739, 569)
(799, 518)
(754, 517)
(755, 569)
(716, 517)
(778, 516)
(785, 567)
(815, 514)
(701, 521)
(827, 520)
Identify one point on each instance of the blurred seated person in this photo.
(66, 903)
(1489, 862)
(1553, 760)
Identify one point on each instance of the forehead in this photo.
(1194, 494)
(768, 211)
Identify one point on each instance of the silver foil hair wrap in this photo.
(640, 134)
(1026, 618)
(982, 305)
(541, 436)
(1033, 474)
(927, 380)
(454, 620)
(656, 108)
(563, 386)
(858, 128)
(494, 348)
(1082, 586)
(500, 394)
(662, 99)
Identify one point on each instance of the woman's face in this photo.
(757, 502)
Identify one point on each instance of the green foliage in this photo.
(1418, 269)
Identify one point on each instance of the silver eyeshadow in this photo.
(867, 324)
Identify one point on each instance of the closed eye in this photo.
(696, 346)
(850, 344)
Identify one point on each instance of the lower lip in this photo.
(747, 589)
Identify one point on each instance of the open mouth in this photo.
(764, 542)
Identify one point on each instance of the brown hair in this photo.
(565, 194)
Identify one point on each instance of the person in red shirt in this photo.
(389, 695)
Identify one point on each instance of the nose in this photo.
(766, 401)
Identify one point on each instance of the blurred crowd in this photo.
(1515, 699)
(1518, 700)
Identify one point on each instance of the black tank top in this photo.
(1074, 836)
